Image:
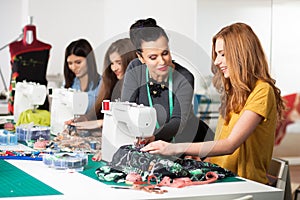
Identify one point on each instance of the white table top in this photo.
(76, 186)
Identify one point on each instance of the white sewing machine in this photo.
(123, 123)
(28, 95)
(65, 105)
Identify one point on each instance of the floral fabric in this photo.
(130, 159)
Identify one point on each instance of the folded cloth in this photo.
(38, 117)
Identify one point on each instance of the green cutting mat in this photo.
(89, 170)
(17, 183)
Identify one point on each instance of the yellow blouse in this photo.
(252, 159)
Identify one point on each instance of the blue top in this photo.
(92, 93)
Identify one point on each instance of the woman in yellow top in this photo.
(251, 106)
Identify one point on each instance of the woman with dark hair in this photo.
(251, 106)
(155, 80)
(116, 59)
(80, 69)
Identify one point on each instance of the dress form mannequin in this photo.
(29, 60)
(24, 45)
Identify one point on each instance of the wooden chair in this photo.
(296, 193)
(279, 176)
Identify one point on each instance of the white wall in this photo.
(190, 24)
(286, 45)
(60, 22)
(11, 14)
(214, 15)
(100, 21)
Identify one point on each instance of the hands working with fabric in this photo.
(116, 60)
(80, 70)
(155, 80)
(251, 106)
(88, 125)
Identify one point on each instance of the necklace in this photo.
(156, 88)
(170, 81)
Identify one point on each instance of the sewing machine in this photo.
(66, 104)
(28, 95)
(123, 123)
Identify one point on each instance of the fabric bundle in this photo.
(129, 159)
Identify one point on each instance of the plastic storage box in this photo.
(8, 137)
(66, 161)
(26, 133)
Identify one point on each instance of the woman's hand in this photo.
(97, 156)
(88, 125)
(141, 142)
(79, 119)
(160, 147)
(69, 122)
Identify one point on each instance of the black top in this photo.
(183, 124)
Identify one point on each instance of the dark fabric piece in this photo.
(130, 159)
(31, 66)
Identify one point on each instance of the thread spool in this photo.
(93, 145)
(105, 105)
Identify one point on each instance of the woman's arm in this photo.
(248, 121)
(88, 125)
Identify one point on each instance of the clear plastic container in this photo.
(66, 161)
(27, 132)
(8, 137)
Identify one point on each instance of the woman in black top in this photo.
(155, 80)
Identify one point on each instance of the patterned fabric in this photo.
(130, 159)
